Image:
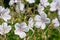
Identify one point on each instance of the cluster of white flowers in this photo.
(39, 21)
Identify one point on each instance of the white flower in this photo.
(44, 2)
(4, 28)
(55, 5)
(31, 24)
(55, 22)
(31, 1)
(41, 21)
(4, 13)
(20, 29)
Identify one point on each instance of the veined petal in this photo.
(47, 20)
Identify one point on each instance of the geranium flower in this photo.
(41, 21)
(4, 13)
(44, 2)
(4, 28)
(31, 1)
(20, 29)
(55, 22)
(55, 5)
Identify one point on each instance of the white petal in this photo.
(1, 30)
(43, 15)
(17, 26)
(8, 28)
(21, 6)
(30, 1)
(37, 18)
(5, 28)
(30, 22)
(44, 2)
(24, 27)
(20, 33)
(38, 24)
(11, 2)
(56, 25)
(47, 20)
(40, 7)
(6, 17)
(43, 26)
(55, 22)
(15, 1)
(7, 11)
(53, 6)
(1, 8)
(58, 12)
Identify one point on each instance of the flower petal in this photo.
(6, 17)
(47, 20)
(43, 26)
(17, 26)
(38, 24)
(11, 2)
(53, 6)
(30, 1)
(37, 18)
(24, 27)
(20, 33)
(30, 22)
